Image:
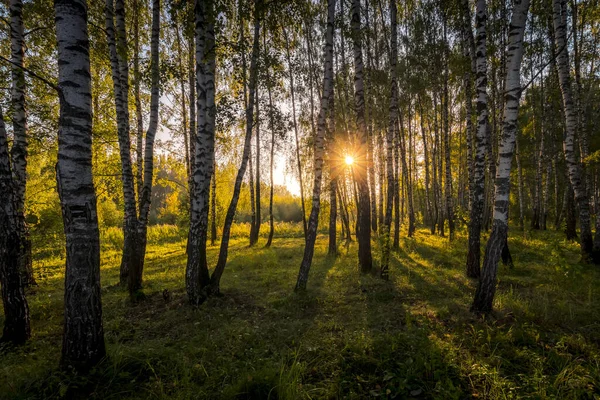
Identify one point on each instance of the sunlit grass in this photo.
(348, 336)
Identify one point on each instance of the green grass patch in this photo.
(349, 336)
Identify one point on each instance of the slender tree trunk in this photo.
(192, 88)
(184, 109)
(16, 309)
(406, 178)
(393, 117)
(255, 234)
(134, 282)
(478, 181)
(298, 161)
(319, 150)
(215, 279)
(137, 98)
(83, 338)
(520, 186)
(447, 150)
(213, 204)
(364, 209)
(272, 156)
(484, 296)
(573, 165)
(117, 45)
(19, 148)
(396, 243)
(333, 176)
(426, 153)
(557, 200)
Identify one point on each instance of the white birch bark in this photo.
(486, 289)
(480, 145)
(313, 219)
(363, 233)
(559, 12)
(16, 310)
(83, 338)
(197, 277)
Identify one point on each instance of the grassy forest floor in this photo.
(348, 336)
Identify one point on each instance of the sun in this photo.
(349, 160)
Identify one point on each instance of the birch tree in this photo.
(484, 296)
(363, 233)
(83, 337)
(20, 143)
(117, 45)
(16, 310)
(197, 276)
(215, 279)
(319, 149)
(393, 116)
(559, 13)
(477, 190)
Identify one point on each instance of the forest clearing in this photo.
(300, 199)
(349, 336)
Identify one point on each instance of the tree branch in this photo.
(33, 74)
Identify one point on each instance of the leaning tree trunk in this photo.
(477, 191)
(134, 282)
(196, 275)
(393, 117)
(215, 279)
(16, 310)
(484, 296)
(363, 233)
(83, 338)
(117, 45)
(573, 165)
(313, 219)
(19, 148)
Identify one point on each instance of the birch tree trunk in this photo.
(16, 310)
(139, 126)
(447, 155)
(192, 88)
(478, 179)
(393, 117)
(19, 148)
(573, 164)
(134, 282)
(196, 275)
(213, 204)
(117, 46)
(272, 155)
(215, 279)
(363, 208)
(298, 161)
(83, 337)
(313, 219)
(484, 296)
